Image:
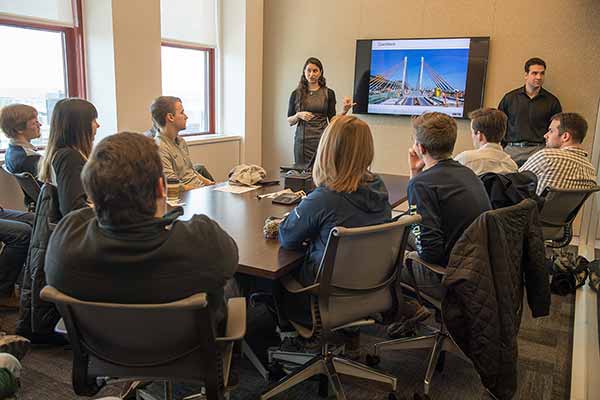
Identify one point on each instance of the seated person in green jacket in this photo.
(126, 249)
(20, 124)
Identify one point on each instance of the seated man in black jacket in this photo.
(447, 195)
(126, 249)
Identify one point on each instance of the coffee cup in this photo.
(173, 189)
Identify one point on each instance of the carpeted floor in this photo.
(545, 347)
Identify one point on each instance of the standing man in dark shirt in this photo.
(529, 109)
(447, 195)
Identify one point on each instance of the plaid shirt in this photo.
(564, 168)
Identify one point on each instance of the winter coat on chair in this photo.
(497, 256)
(35, 315)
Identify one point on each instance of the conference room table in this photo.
(243, 216)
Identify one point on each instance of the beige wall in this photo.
(566, 33)
(241, 68)
(122, 62)
(219, 156)
(136, 27)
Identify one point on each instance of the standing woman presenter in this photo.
(311, 107)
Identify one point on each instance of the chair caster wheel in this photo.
(392, 396)
(276, 372)
(372, 360)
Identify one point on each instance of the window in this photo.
(188, 73)
(41, 64)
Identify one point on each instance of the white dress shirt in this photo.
(488, 158)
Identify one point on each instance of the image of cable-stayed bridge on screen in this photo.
(410, 77)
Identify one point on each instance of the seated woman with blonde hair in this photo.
(347, 195)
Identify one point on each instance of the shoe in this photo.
(413, 313)
(291, 345)
(14, 345)
(129, 389)
(312, 345)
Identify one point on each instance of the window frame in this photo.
(74, 55)
(211, 82)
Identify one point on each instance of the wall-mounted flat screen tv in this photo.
(413, 76)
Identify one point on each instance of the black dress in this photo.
(321, 103)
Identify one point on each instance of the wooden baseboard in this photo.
(585, 365)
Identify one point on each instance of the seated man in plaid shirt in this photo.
(563, 164)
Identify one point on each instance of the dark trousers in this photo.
(15, 233)
(429, 282)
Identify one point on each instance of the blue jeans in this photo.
(15, 233)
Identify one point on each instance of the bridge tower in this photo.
(421, 74)
(404, 74)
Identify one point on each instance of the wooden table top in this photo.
(243, 217)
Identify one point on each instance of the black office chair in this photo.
(559, 211)
(357, 279)
(505, 190)
(169, 342)
(440, 340)
(29, 185)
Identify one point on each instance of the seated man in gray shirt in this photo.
(169, 118)
(488, 126)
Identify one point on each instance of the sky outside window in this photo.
(184, 75)
(32, 72)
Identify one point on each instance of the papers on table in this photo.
(175, 203)
(235, 188)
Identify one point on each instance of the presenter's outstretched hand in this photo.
(304, 115)
(348, 104)
(415, 163)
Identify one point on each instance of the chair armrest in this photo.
(360, 322)
(438, 269)
(293, 286)
(236, 320)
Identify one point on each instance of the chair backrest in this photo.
(358, 272)
(172, 341)
(29, 185)
(560, 209)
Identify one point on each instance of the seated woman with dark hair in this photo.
(347, 195)
(72, 132)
